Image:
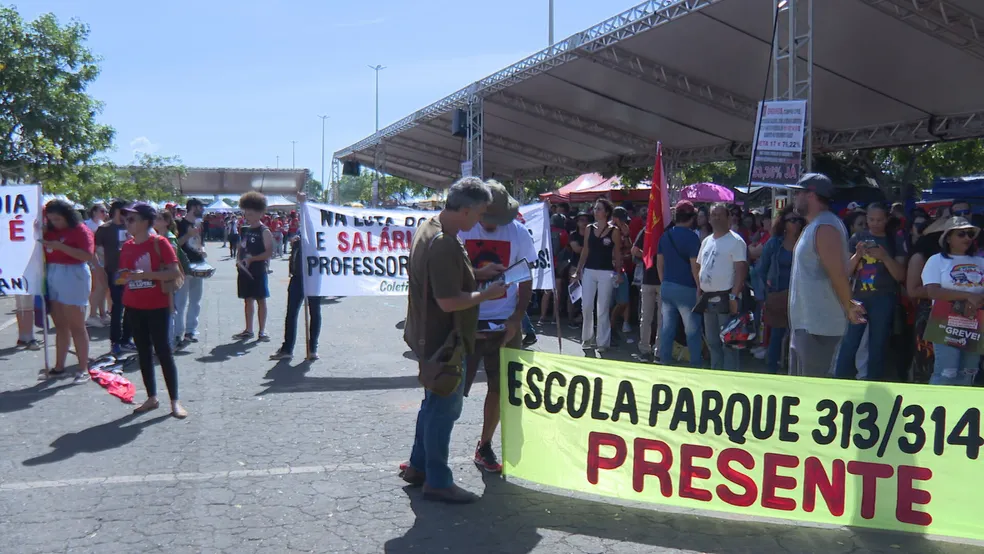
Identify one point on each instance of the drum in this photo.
(201, 270)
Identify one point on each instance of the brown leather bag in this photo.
(441, 372)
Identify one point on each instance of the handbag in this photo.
(775, 310)
(441, 372)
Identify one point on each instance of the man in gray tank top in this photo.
(819, 291)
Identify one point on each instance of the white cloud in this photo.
(143, 145)
(360, 23)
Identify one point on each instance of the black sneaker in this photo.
(189, 338)
(530, 339)
(485, 458)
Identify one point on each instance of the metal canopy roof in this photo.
(236, 180)
(690, 73)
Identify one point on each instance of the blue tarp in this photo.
(970, 187)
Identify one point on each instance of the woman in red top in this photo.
(68, 248)
(146, 261)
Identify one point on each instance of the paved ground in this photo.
(290, 457)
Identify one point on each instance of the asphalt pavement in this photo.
(295, 457)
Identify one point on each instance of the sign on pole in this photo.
(777, 153)
(21, 262)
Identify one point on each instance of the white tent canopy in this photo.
(218, 207)
(277, 201)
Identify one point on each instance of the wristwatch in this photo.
(734, 296)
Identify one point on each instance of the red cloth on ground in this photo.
(117, 385)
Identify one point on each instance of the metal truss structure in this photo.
(476, 135)
(941, 19)
(634, 21)
(599, 99)
(336, 177)
(678, 82)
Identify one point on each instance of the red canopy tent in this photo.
(591, 186)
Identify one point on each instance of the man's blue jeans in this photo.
(880, 310)
(432, 441)
(679, 300)
(722, 357)
(528, 328)
(776, 338)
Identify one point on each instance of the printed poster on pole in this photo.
(21, 260)
(366, 252)
(777, 155)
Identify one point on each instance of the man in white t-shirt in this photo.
(499, 239)
(723, 263)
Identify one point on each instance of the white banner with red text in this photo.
(21, 260)
(366, 252)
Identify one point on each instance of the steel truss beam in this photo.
(677, 82)
(929, 129)
(526, 151)
(636, 20)
(413, 164)
(452, 156)
(573, 121)
(336, 176)
(940, 19)
(476, 136)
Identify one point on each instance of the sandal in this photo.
(263, 337)
(245, 335)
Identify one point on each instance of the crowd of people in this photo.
(862, 318)
(142, 273)
(848, 295)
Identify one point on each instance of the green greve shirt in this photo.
(445, 263)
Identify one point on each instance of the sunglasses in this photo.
(131, 220)
(963, 234)
(961, 212)
(799, 220)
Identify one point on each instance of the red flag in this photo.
(659, 210)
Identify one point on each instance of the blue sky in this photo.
(230, 83)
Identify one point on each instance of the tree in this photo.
(315, 190)
(391, 189)
(148, 178)
(47, 121)
(902, 171)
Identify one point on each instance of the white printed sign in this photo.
(21, 261)
(365, 252)
(777, 157)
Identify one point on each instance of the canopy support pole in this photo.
(792, 62)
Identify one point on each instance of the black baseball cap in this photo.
(142, 209)
(817, 183)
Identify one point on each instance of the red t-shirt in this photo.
(276, 226)
(294, 224)
(75, 237)
(146, 294)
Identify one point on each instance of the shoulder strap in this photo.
(669, 235)
(421, 341)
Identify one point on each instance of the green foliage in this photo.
(901, 172)
(391, 189)
(315, 191)
(47, 120)
(149, 178)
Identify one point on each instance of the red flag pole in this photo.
(659, 209)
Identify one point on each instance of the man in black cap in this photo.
(820, 303)
(499, 239)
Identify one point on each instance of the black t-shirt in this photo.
(650, 276)
(111, 238)
(252, 242)
(190, 247)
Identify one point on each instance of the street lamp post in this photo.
(323, 184)
(375, 181)
(550, 27)
(293, 144)
(278, 162)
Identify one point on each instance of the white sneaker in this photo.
(94, 322)
(759, 354)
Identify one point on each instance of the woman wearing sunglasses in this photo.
(776, 265)
(146, 262)
(956, 275)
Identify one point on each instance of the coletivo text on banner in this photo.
(365, 252)
(21, 262)
(884, 455)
